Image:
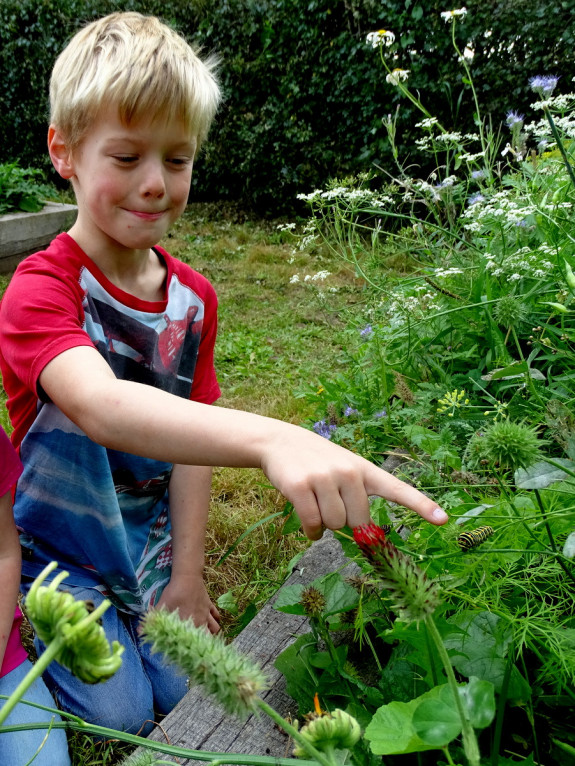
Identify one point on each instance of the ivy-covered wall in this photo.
(304, 94)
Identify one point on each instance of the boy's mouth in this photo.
(147, 216)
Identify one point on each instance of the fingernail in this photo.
(439, 515)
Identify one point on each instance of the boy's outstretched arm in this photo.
(328, 485)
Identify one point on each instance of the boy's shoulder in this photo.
(62, 256)
(186, 274)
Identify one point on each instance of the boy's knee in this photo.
(129, 712)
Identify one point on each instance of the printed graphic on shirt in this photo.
(159, 349)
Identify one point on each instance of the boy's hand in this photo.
(329, 486)
(190, 599)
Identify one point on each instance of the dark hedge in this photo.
(304, 94)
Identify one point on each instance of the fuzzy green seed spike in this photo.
(234, 680)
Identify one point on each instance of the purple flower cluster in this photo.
(544, 84)
(515, 120)
(324, 429)
(475, 198)
(367, 331)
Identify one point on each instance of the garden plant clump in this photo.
(22, 190)
(460, 366)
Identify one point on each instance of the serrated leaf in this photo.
(289, 600)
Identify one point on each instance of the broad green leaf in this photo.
(478, 647)
(391, 730)
(479, 699)
(472, 513)
(516, 370)
(541, 475)
(294, 663)
(339, 595)
(228, 602)
(436, 722)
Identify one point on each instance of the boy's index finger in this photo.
(396, 491)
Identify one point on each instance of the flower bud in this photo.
(58, 617)
(569, 276)
(337, 730)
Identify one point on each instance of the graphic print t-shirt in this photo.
(102, 514)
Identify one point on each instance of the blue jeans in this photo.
(17, 748)
(143, 687)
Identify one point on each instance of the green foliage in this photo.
(464, 344)
(304, 96)
(21, 189)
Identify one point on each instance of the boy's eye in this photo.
(125, 158)
(179, 161)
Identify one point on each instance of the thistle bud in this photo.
(413, 595)
(313, 601)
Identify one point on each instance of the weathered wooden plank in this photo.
(200, 724)
(24, 233)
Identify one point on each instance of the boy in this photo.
(107, 358)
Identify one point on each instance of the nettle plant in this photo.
(460, 367)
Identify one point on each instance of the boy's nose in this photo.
(153, 183)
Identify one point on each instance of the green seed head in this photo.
(505, 444)
(510, 311)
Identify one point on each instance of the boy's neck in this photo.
(141, 273)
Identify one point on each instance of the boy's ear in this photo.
(60, 153)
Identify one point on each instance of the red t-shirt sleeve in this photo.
(33, 332)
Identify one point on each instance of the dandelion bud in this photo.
(313, 601)
(58, 618)
(414, 596)
(234, 680)
(337, 730)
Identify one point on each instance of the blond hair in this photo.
(137, 64)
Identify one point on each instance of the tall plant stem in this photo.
(51, 652)
(321, 758)
(516, 513)
(76, 724)
(501, 706)
(552, 542)
(469, 739)
(472, 86)
(559, 142)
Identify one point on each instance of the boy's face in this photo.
(131, 182)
